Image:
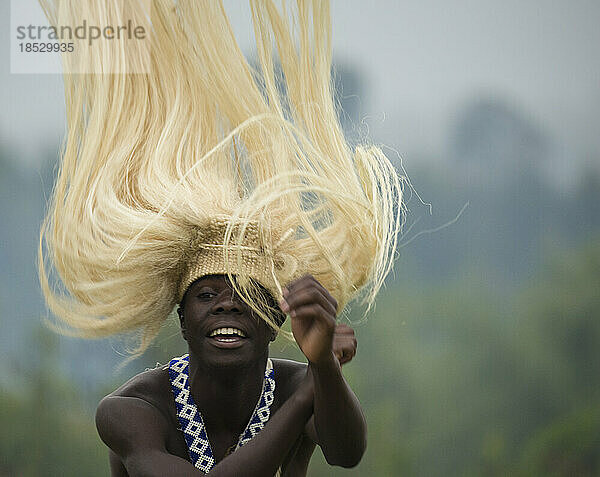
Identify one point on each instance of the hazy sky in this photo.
(421, 61)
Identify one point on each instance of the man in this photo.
(202, 167)
(228, 353)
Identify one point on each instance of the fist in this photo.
(344, 343)
(312, 310)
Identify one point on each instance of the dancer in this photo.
(230, 194)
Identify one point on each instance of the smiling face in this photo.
(220, 329)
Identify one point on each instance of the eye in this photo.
(206, 294)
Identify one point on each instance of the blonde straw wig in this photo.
(208, 165)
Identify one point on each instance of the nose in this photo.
(226, 304)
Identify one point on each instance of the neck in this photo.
(226, 396)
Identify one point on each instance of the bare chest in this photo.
(223, 440)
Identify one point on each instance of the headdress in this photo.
(207, 165)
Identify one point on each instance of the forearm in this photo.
(143, 453)
(339, 421)
(263, 455)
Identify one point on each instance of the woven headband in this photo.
(253, 256)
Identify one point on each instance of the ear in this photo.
(182, 322)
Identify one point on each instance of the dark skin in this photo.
(313, 404)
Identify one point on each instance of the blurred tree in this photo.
(45, 428)
(567, 447)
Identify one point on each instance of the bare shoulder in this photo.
(140, 407)
(151, 384)
(288, 375)
(289, 369)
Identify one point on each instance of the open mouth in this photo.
(227, 335)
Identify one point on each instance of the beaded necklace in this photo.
(190, 419)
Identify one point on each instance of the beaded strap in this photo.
(190, 419)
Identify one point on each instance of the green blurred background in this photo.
(482, 357)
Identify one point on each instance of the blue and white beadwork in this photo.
(191, 421)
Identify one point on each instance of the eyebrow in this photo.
(211, 281)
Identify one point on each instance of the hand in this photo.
(344, 343)
(344, 348)
(312, 310)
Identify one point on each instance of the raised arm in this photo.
(136, 431)
(338, 418)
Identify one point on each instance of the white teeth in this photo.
(228, 331)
